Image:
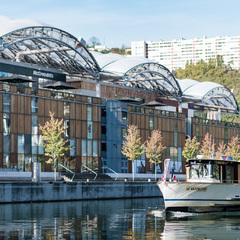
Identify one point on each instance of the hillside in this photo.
(214, 71)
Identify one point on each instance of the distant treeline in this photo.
(214, 71)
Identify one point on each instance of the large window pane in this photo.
(40, 146)
(34, 144)
(28, 163)
(66, 109)
(27, 144)
(34, 104)
(89, 130)
(84, 148)
(34, 124)
(6, 143)
(73, 145)
(95, 148)
(6, 102)
(6, 161)
(89, 148)
(89, 113)
(6, 123)
(20, 162)
(67, 128)
(20, 143)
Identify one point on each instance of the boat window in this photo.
(202, 170)
(216, 172)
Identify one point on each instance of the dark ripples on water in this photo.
(112, 219)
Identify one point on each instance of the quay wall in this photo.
(18, 192)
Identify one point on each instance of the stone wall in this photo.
(58, 191)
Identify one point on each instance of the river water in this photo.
(112, 219)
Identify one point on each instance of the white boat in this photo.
(211, 185)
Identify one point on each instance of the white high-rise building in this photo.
(174, 54)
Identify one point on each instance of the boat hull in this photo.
(200, 197)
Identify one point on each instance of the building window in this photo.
(6, 161)
(67, 128)
(95, 148)
(84, 148)
(34, 144)
(151, 122)
(6, 123)
(34, 105)
(34, 124)
(89, 130)
(124, 116)
(66, 109)
(89, 113)
(73, 145)
(6, 102)
(6, 143)
(20, 143)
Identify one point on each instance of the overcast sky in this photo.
(118, 22)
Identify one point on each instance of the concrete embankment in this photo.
(15, 192)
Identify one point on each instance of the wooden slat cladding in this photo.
(96, 130)
(78, 129)
(27, 101)
(78, 111)
(28, 124)
(21, 123)
(41, 122)
(14, 143)
(14, 103)
(84, 129)
(47, 104)
(14, 123)
(60, 109)
(72, 128)
(84, 111)
(95, 113)
(41, 106)
(54, 107)
(20, 102)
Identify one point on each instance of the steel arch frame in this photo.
(75, 60)
(224, 93)
(158, 78)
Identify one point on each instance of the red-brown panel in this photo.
(27, 101)
(28, 125)
(21, 123)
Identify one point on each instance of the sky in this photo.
(117, 23)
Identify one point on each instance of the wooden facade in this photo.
(172, 127)
(221, 132)
(19, 119)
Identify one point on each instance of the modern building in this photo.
(44, 69)
(175, 54)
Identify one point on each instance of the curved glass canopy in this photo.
(22, 41)
(139, 73)
(209, 93)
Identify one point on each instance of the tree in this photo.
(93, 41)
(208, 147)
(191, 148)
(154, 148)
(53, 142)
(132, 147)
(233, 148)
(221, 150)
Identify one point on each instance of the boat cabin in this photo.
(213, 170)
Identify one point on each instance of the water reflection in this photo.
(112, 219)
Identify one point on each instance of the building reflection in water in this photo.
(111, 219)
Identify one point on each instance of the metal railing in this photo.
(90, 171)
(67, 170)
(104, 166)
